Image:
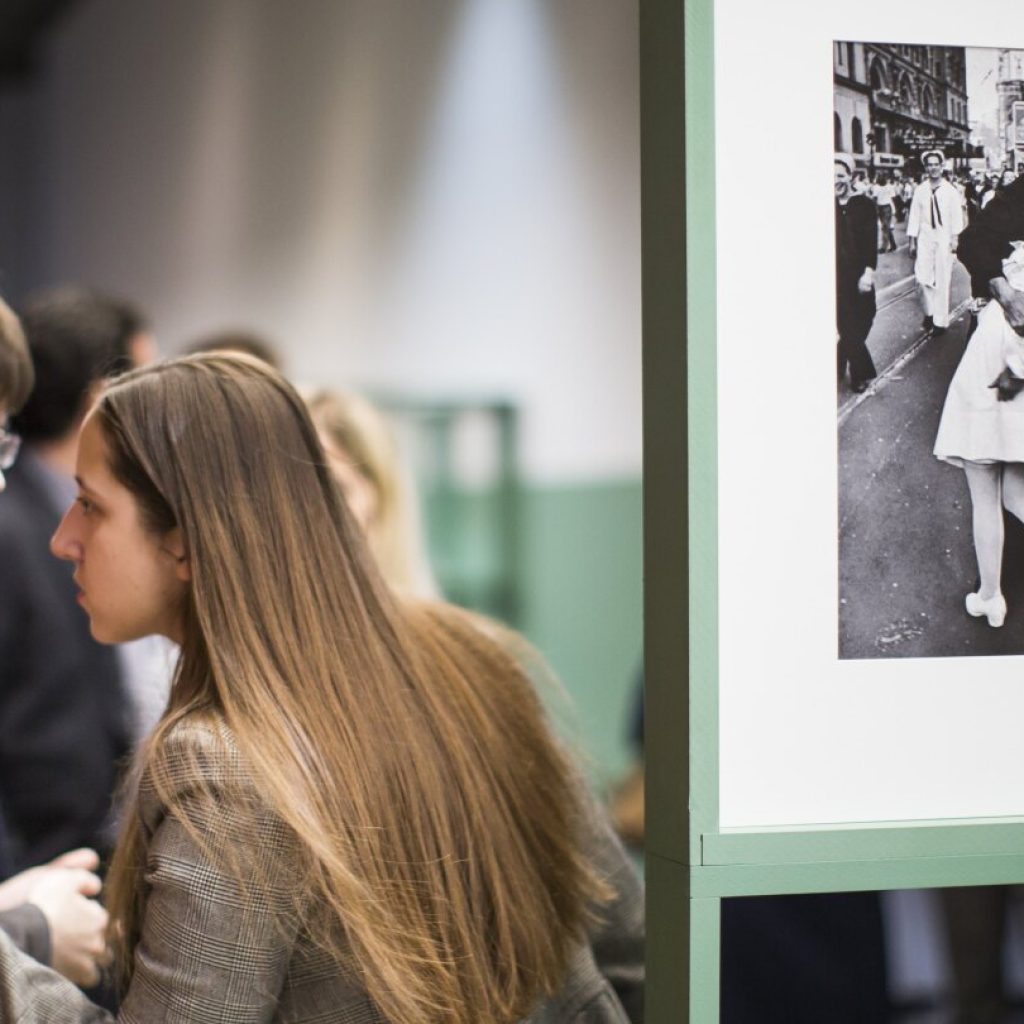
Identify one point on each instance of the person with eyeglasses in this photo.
(65, 709)
(10, 443)
(47, 910)
(61, 706)
(16, 378)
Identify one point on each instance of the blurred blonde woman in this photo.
(365, 460)
(353, 809)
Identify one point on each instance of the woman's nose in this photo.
(62, 545)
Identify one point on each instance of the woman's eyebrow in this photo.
(83, 485)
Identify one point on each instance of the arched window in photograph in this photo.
(927, 102)
(906, 93)
(879, 80)
(857, 133)
(837, 132)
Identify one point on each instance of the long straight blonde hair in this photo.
(402, 744)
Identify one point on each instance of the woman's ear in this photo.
(174, 545)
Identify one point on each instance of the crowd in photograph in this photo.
(936, 210)
(892, 193)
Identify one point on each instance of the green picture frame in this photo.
(691, 862)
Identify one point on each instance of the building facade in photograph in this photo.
(894, 102)
(852, 99)
(1010, 91)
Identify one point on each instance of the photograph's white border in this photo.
(804, 737)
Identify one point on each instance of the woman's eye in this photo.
(85, 504)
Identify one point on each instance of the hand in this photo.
(77, 923)
(867, 281)
(1012, 302)
(1007, 386)
(16, 889)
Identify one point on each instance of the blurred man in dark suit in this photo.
(63, 713)
(46, 910)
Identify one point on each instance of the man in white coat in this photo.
(933, 227)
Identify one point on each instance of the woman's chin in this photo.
(103, 634)
(114, 633)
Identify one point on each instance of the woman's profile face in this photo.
(132, 583)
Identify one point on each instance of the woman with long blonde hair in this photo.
(353, 809)
(363, 455)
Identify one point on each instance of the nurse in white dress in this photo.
(982, 432)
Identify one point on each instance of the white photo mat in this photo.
(804, 737)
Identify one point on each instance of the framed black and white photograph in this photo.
(841, 715)
(928, 153)
(850, 615)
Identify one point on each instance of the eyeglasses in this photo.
(9, 445)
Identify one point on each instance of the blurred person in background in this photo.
(65, 719)
(247, 342)
(885, 203)
(974, 189)
(51, 914)
(627, 798)
(364, 459)
(906, 195)
(16, 379)
(988, 189)
(46, 910)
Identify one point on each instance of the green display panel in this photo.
(693, 859)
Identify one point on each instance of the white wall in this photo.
(437, 196)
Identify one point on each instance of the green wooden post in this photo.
(672, 838)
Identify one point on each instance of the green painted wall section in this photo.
(582, 605)
(572, 575)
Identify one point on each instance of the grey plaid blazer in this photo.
(211, 952)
